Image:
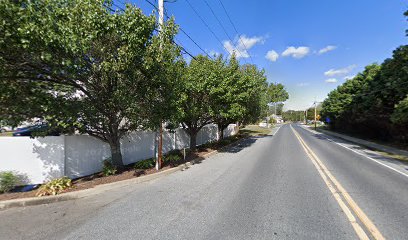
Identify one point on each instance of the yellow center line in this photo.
(336, 189)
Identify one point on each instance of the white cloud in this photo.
(299, 52)
(327, 49)
(331, 80)
(242, 45)
(340, 72)
(272, 56)
(214, 53)
(302, 84)
(349, 77)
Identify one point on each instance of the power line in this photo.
(236, 31)
(222, 26)
(203, 21)
(184, 32)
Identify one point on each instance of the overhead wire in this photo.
(208, 27)
(236, 31)
(183, 31)
(222, 26)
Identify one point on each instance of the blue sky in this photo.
(349, 34)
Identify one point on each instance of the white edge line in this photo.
(372, 159)
(277, 130)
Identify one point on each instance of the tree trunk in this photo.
(220, 131)
(193, 139)
(116, 154)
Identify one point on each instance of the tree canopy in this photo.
(79, 66)
(220, 91)
(373, 102)
(85, 67)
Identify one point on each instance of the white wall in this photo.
(42, 159)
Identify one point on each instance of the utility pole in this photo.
(275, 97)
(160, 147)
(305, 117)
(315, 113)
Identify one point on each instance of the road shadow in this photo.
(240, 145)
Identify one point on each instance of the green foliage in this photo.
(145, 164)
(406, 15)
(372, 103)
(194, 101)
(170, 157)
(8, 180)
(54, 187)
(222, 92)
(173, 156)
(400, 114)
(311, 111)
(80, 66)
(253, 93)
(108, 168)
(293, 116)
(277, 93)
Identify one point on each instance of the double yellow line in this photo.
(348, 205)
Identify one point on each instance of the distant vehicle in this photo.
(5, 129)
(28, 131)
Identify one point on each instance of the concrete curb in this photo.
(366, 143)
(23, 202)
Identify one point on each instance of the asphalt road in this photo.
(264, 188)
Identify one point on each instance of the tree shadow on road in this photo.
(240, 145)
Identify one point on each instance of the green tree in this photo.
(99, 72)
(338, 105)
(253, 93)
(400, 114)
(238, 94)
(276, 94)
(194, 102)
(406, 15)
(311, 111)
(293, 115)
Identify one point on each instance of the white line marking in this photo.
(332, 184)
(277, 130)
(372, 159)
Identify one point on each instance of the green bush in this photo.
(8, 180)
(54, 187)
(145, 164)
(108, 168)
(173, 156)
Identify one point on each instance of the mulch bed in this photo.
(128, 173)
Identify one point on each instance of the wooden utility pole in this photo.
(305, 117)
(160, 147)
(315, 113)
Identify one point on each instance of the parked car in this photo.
(5, 129)
(28, 131)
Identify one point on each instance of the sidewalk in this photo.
(366, 143)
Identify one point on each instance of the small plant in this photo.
(145, 164)
(173, 156)
(54, 187)
(8, 180)
(108, 168)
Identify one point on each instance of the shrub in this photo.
(8, 180)
(108, 168)
(145, 164)
(173, 156)
(54, 187)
